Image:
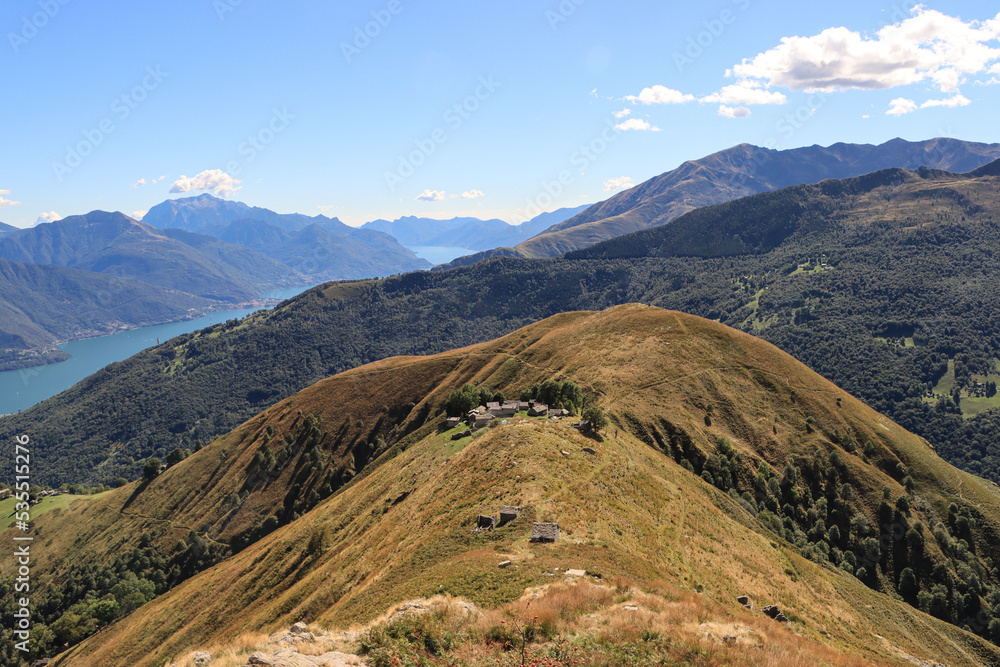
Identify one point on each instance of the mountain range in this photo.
(311, 475)
(316, 248)
(726, 469)
(744, 170)
(296, 248)
(836, 274)
(469, 233)
(113, 243)
(206, 214)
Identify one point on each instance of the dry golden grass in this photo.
(233, 653)
(402, 528)
(587, 621)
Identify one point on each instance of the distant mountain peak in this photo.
(743, 170)
(990, 169)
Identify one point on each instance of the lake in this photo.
(21, 389)
(439, 254)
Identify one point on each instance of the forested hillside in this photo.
(884, 284)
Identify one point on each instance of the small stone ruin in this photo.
(775, 613)
(508, 513)
(484, 522)
(544, 532)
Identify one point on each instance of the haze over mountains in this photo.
(317, 248)
(115, 244)
(98, 273)
(205, 252)
(470, 233)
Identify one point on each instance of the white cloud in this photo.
(51, 216)
(431, 195)
(326, 208)
(745, 92)
(152, 181)
(138, 215)
(866, 116)
(618, 183)
(472, 194)
(622, 113)
(900, 106)
(216, 180)
(958, 100)
(7, 202)
(660, 95)
(733, 112)
(927, 46)
(636, 124)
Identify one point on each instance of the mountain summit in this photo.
(316, 248)
(744, 170)
(727, 469)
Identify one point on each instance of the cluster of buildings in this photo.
(484, 414)
(7, 493)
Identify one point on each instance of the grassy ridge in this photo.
(672, 384)
(909, 255)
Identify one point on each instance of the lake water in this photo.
(439, 254)
(23, 388)
(286, 292)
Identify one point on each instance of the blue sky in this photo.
(457, 108)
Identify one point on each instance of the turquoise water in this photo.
(439, 254)
(21, 389)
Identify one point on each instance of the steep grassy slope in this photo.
(740, 171)
(676, 497)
